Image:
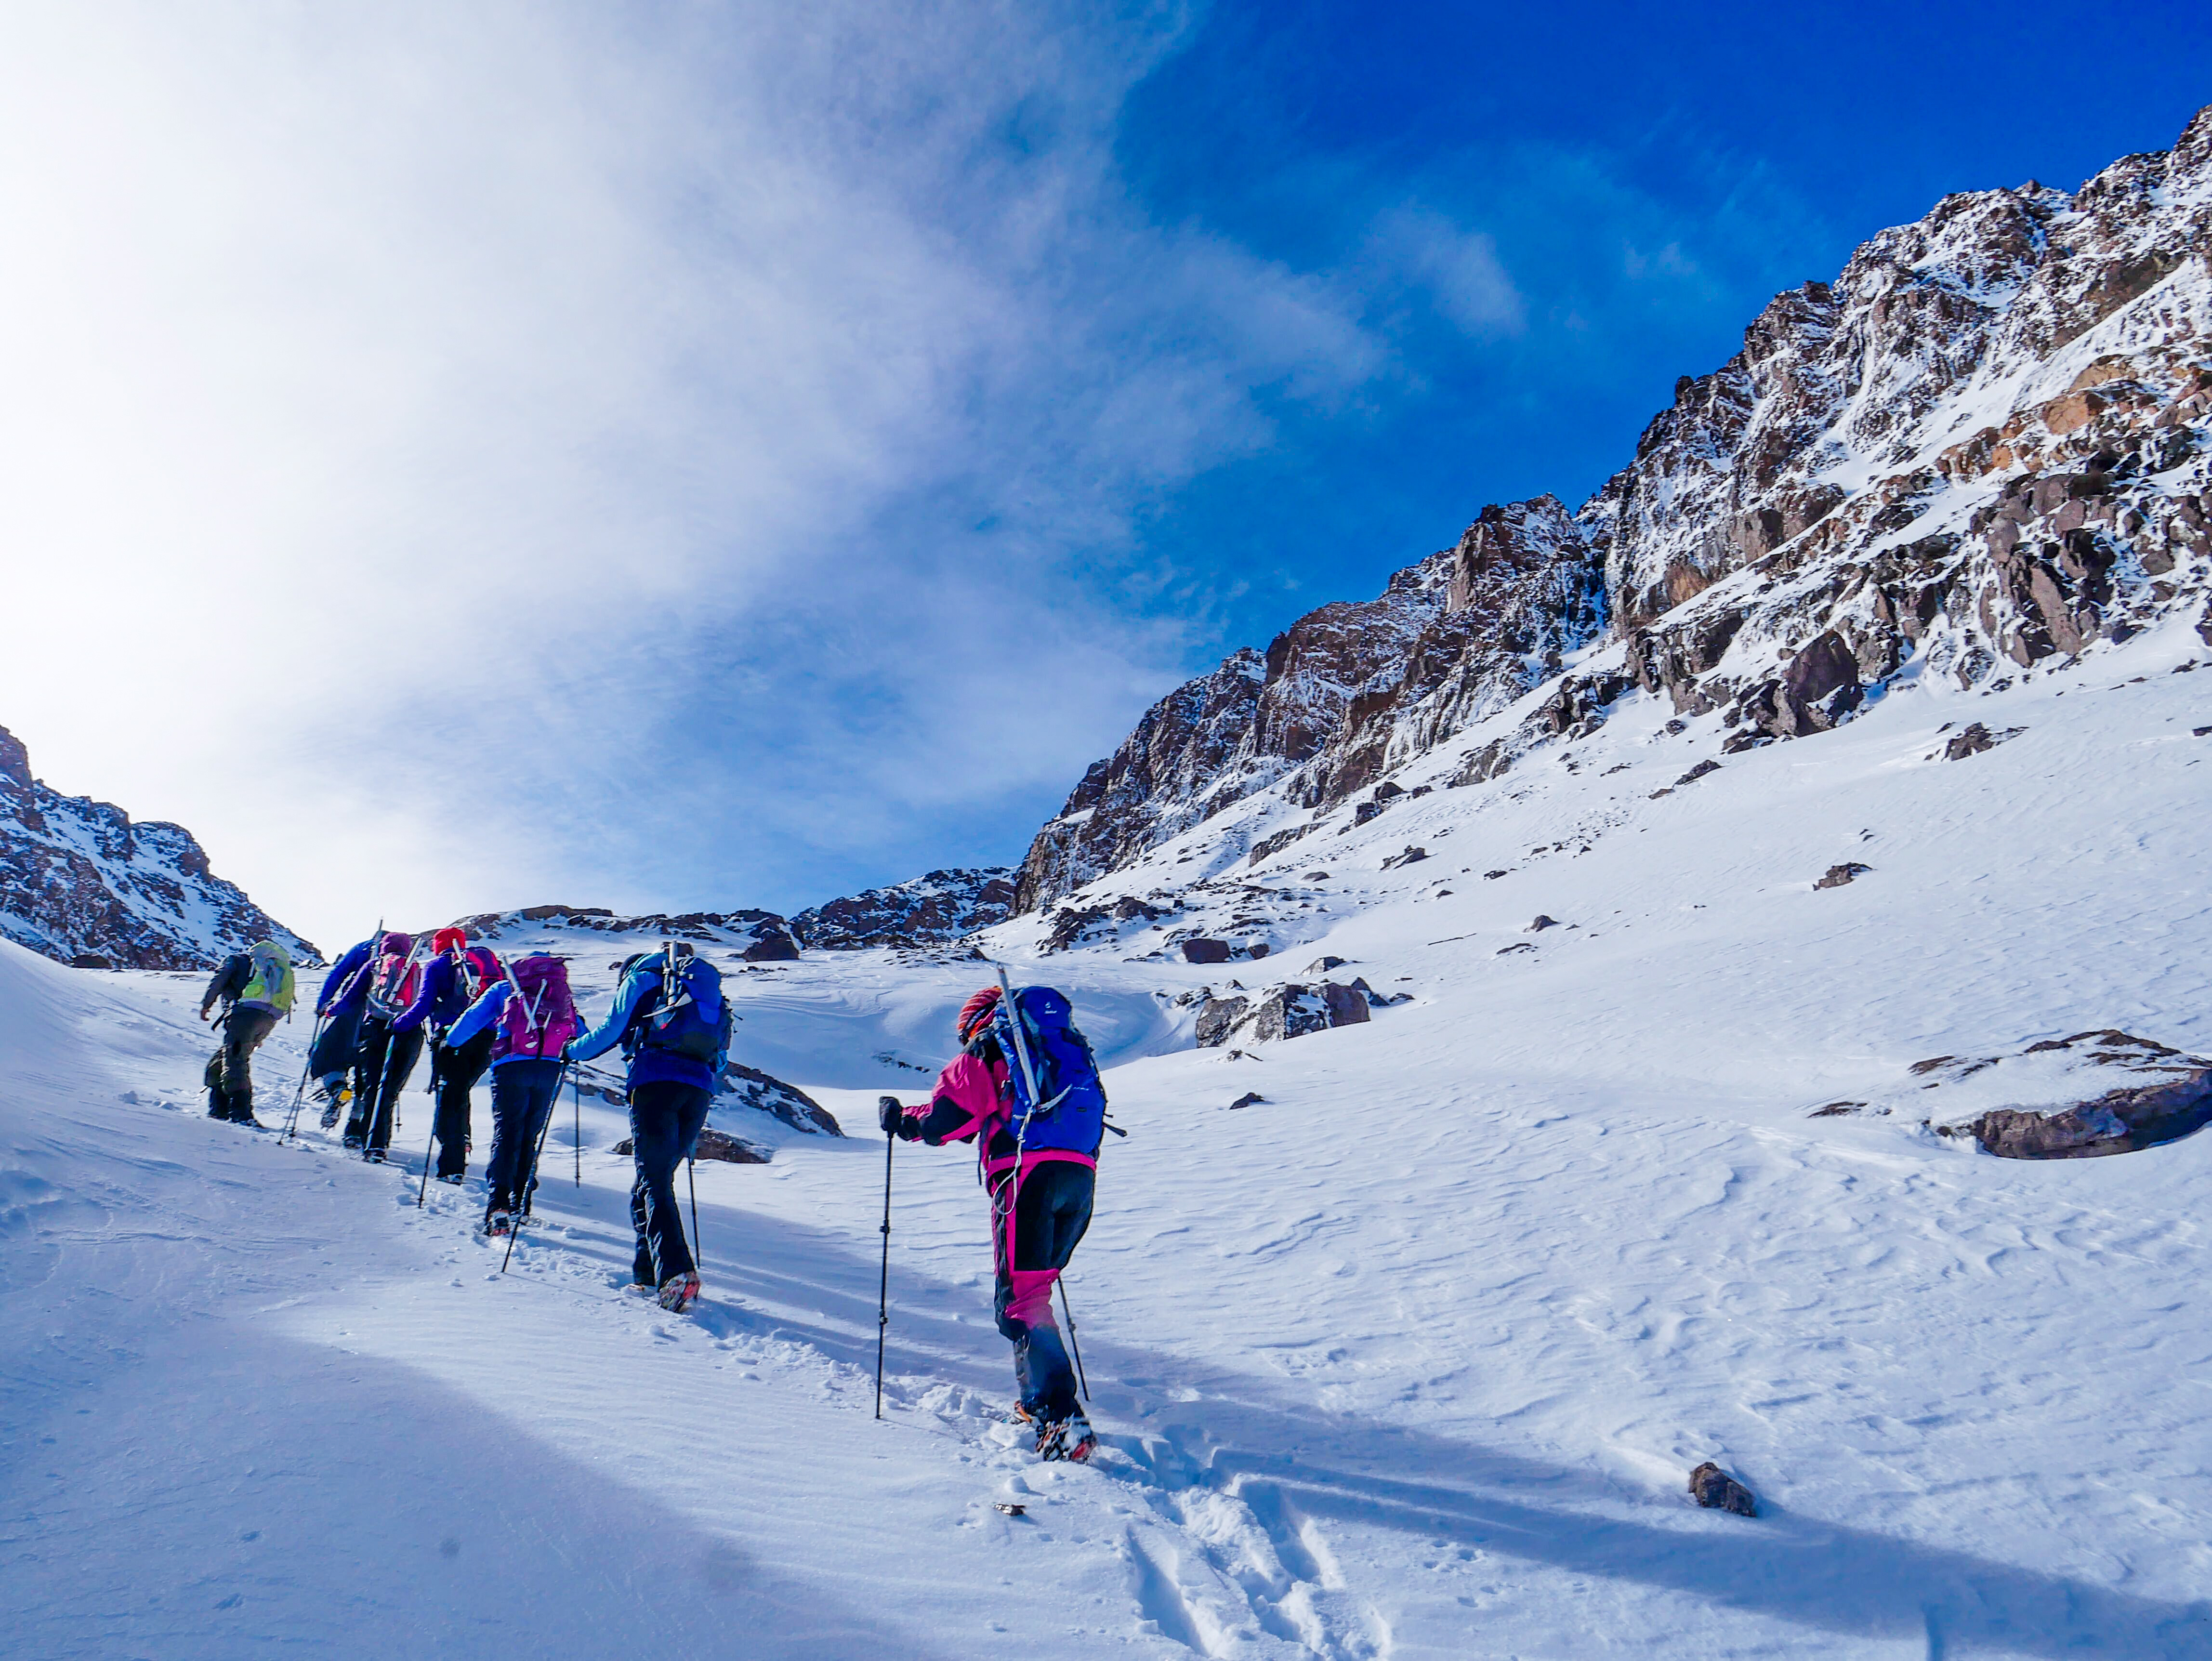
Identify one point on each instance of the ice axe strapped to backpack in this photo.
(1054, 1097)
(686, 1013)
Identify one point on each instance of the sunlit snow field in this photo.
(1410, 1359)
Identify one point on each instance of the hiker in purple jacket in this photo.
(531, 1017)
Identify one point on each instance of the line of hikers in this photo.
(391, 996)
(1025, 1088)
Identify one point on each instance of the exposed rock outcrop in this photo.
(755, 936)
(80, 882)
(2096, 1093)
(928, 911)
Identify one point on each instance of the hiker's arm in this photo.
(602, 1037)
(334, 983)
(965, 1097)
(433, 988)
(229, 981)
(478, 1015)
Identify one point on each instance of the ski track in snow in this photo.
(1410, 1359)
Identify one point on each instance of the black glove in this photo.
(892, 1118)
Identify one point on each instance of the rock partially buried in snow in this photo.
(1716, 1490)
(1975, 739)
(1840, 874)
(1542, 923)
(712, 1145)
(1249, 1098)
(1322, 965)
(2097, 1092)
(1205, 951)
(788, 1102)
(1289, 1011)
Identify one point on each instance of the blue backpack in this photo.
(1070, 1110)
(693, 1022)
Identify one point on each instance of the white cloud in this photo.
(457, 456)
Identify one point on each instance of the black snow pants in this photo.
(523, 1093)
(665, 1120)
(1049, 1216)
(454, 1075)
(381, 1071)
(230, 1071)
(332, 1056)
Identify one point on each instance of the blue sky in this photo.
(724, 454)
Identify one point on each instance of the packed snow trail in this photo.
(1410, 1359)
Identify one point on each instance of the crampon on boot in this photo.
(1070, 1439)
(498, 1223)
(680, 1292)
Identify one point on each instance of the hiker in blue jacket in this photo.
(338, 1007)
(676, 1045)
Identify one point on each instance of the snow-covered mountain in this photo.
(81, 883)
(934, 909)
(1980, 450)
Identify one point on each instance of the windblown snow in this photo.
(1410, 1357)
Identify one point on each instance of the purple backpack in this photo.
(540, 1016)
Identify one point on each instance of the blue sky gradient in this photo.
(734, 453)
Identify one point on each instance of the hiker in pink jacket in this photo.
(1037, 1217)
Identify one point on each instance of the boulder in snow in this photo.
(1715, 1489)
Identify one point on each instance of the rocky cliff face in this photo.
(80, 882)
(928, 911)
(1982, 446)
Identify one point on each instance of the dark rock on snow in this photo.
(712, 1145)
(1205, 951)
(1249, 1098)
(1838, 875)
(1715, 1489)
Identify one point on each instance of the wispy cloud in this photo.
(458, 455)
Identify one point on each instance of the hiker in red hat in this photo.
(454, 978)
(1041, 1167)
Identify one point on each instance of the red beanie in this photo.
(973, 1013)
(448, 939)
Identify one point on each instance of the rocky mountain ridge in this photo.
(83, 883)
(1982, 447)
(932, 909)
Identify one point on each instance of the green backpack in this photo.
(270, 983)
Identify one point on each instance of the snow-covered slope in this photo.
(1410, 1357)
(81, 883)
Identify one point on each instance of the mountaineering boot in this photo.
(456, 1179)
(680, 1292)
(1070, 1439)
(375, 1156)
(498, 1223)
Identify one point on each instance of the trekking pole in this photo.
(423, 1192)
(691, 1176)
(884, 1285)
(300, 1096)
(1072, 1344)
(522, 1187)
(577, 1079)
